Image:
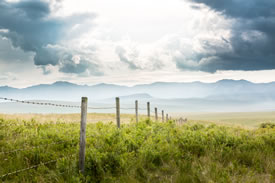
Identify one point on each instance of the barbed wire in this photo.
(39, 103)
(62, 105)
(19, 124)
(35, 166)
(27, 124)
(74, 106)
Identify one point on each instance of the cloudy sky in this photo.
(136, 41)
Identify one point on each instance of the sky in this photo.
(131, 42)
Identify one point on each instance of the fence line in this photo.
(62, 105)
(82, 140)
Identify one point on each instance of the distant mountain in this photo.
(67, 91)
(137, 96)
(7, 89)
(128, 99)
(183, 96)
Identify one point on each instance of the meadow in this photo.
(249, 120)
(147, 151)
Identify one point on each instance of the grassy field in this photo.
(241, 119)
(144, 152)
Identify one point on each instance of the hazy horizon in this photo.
(133, 85)
(221, 96)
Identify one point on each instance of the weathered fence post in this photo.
(156, 113)
(162, 113)
(136, 111)
(82, 143)
(117, 112)
(167, 118)
(148, 109)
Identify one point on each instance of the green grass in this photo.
(144, 152)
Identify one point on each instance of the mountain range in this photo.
(223, 95)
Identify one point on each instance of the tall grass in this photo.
(144, 152)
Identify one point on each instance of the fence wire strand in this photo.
(67, 106)
(39, 103)
(52, 104)
(29, 147)
(35, 166)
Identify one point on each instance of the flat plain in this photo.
(236, 119)
(225, 148)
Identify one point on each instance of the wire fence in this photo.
(151, 114)
(39, 103)
(62, 105)
(35, 166)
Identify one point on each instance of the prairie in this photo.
(237, 119)
(44, 148)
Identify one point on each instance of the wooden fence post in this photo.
(167, 118)
(156, 113)
(148, 109)
(117, 112)
(162, 113)
(136, 111)
(82, 143)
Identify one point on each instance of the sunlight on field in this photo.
(242, 119)
(245, 120)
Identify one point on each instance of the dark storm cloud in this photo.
(68, 65)
(241, 9)
(60, 56)
(33, 9)
(252, 42)
(31, 28)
